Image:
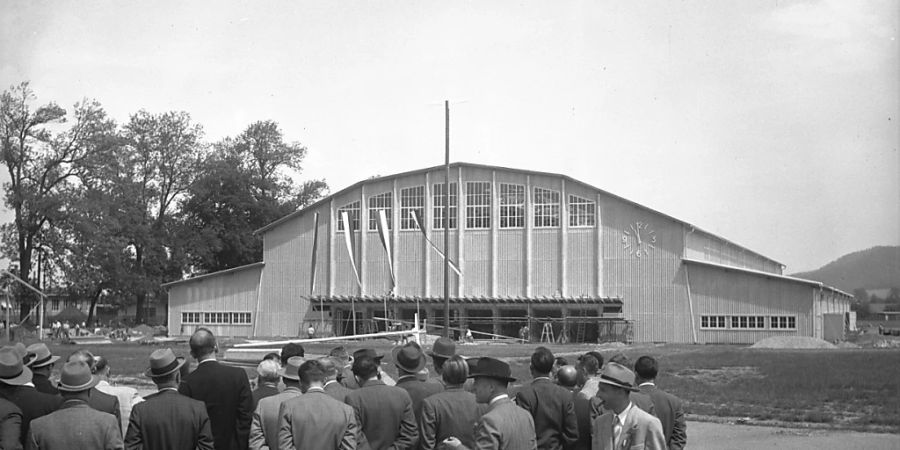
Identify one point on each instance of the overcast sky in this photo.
(773, 124)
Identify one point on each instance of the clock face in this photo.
(639, 239)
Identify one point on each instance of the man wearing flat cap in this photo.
(167, 419)
(75, 424)
(384, 413)
(504, 426)
(410, 360)
(623, 425)
(264, 427)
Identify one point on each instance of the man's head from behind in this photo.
(455, 371)
(269, 371)
(541, 362)
(329, 368)
(646, 368)
(312, 374)
(590, 365)
(291, 350)
(364, 368)
(203, 344)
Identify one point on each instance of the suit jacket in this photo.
(109, 404)
(264, 427)
(505, 426)
(263, 391)
(127, 396)
(226, 392)
(33, 404)
(43, 384)
(314, 420)
(336, 390)
(453, 412)
(670, 412)
(10, 426)
(586, 410)
(643, 401)
(553, 410)
(640, 431)
(385, 416)
(75, 425)
(418, 390)
(168, 420)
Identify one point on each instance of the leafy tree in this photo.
(42, 164)
(246, 184)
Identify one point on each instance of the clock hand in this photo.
(638, 236)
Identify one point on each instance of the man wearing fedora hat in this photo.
(264, 427)
(41, 361)
(384, 413)
(550, 405)
(98, 400)
(623, 425)
(410, 360)
(167, 419)
(15, 386)
(315, 420)
(75, 424)
(349, 380)
(504, 426)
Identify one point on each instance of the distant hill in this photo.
(875, 268)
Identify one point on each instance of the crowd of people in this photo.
(340, 401)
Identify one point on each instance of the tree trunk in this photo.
(26, 296)
(94, 299)
(139, 305)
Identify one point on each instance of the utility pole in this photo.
(447, 219)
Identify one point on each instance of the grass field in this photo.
(845, 388)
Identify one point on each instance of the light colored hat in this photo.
(292, 369)
(12, 371)
(618, 375)
(39, 356)
(163, 362)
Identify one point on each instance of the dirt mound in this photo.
(798, 342)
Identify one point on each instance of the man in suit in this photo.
(41, 361)
(98, 400)
(75, 424)
(442, 350)
(225, 390)
(384, 413)
(409, 360)
(348, 379)
(127, 396)
(168, 420)
(332, 387)
(668, 408)
(314, 420)
(10, 425)
(504, 426)
(452, 412)
(267, 383)
(623, 425)
(264, 427)
(16, 387)
(550, 405)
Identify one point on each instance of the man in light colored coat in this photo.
(75, 424)
(667, 407)
(624, 425)
(314, 420)
(265, 424)
(504, 426)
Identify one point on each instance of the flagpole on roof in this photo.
(447, 218)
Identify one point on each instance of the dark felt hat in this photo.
(370, 352)
(12, 370)
(443, 348)
(409, 357)
(491, 368)
(163, 362)
(76, 377)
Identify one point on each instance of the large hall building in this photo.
(531, 248)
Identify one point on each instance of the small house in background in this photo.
(534, 249)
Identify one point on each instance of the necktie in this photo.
(617, 429)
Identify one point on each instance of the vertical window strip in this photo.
(352, 214)
(581, 212)
(377, 203)
(437, 198)
(412, 199)
(478, 204)
(546, 208)
(512, 205)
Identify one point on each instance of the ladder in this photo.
(547, 333)
(581, 326)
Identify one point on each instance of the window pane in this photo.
(438, 199)
(378, 203)
(546, 208)
(412, 200)
(478, 204)
(352, 214)
(512, 205)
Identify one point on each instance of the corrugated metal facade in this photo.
(636, 255)
(235, 291)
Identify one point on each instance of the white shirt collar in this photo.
(624, 414)
(211, 358)
(498, 398)
(315, 389)
(647, 383)
(329, 382)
